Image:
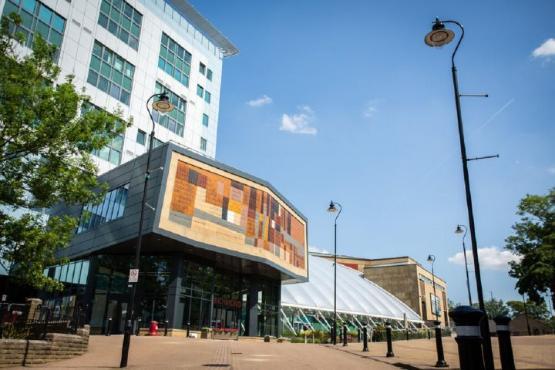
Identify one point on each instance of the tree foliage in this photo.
(534, 241)
(535, 310)
(496, 307)
(45, 146)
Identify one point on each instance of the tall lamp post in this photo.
(460, 230)
(161, 105)
(440, 36)
(332, 209)
(437, 324)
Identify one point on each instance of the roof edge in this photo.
(204, 25)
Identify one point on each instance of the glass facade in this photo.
(191, 294)
(174, 120)
(37, 18)
(174, 60)
(205, 119)
(122, 20)
(111, 208)
(111, 73)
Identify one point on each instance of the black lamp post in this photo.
(332, 209)
(440, 36)
(162, 105)
(460, 230)
(437, 324)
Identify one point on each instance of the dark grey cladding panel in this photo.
(127, 227)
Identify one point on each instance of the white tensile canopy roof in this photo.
(355, 294)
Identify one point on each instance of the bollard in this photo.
(109, 327)
(365, 339)
(165, 328)
(138, 327)
(340, 335)
(188, 328)
(388, 336)
(469, 340)
(344, 335)
(505, 347)
(439, 346)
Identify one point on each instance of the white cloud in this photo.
(371, 108)
(259, 102)
(545, 50)
(312, 248)
(490, 258)
(300, 122)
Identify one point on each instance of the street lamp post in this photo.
(162, 105)
(462, 229)
(332, 209)
(437, 324)
(440, 36)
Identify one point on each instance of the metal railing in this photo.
(27, 321)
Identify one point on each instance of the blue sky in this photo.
(348, 103)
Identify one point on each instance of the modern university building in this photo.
(217, 245)
(121, 52)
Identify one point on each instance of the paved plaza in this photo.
(173, 353)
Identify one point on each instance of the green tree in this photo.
(45, 147)
(534, 241)
(535, 310)
(496, 307)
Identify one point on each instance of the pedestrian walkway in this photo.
(250, 354)
(182, 353)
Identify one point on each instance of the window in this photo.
(109, 209)
(122, 20)
(200, 91)
(156, 143)
(112, 151)
(141, 137)
(174, 60)
(209, 74)
(111, 73)
(205, 119)
(207, 97)
(203, 144)
(174, 120)
(202, 68)
(37, 18)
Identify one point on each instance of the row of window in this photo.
(111, 152)
(141, 139)
(122, 20)
(109, 209)
(201, 92)
(36, 17)
(75, 272)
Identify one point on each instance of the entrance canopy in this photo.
(356, 296)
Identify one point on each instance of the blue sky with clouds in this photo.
(343, 100)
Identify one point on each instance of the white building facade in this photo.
(123, 51)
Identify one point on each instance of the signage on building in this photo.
(133, 275)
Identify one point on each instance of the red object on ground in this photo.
(153, 330)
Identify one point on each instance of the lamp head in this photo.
(431, 258)
(332, 208)
(163, 104)
(439, 35)
(459, 229)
